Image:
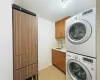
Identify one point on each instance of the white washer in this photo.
(81, 67)
(81, 33)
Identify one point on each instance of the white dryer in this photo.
(81, 67)
(81, 33)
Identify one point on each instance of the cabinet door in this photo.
(55, 59)
(34, 40)
(62, 62)
(59, 60)
(63, 26)
(17, 20)
(58, 29)
(30, 39)
(25, 43)
(17, 32)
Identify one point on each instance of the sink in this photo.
(59, 48)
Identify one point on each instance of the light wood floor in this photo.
(51, 73)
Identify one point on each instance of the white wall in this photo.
(6, 64)
(46, 38)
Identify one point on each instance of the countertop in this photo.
(62, 50)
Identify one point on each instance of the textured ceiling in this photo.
(52, 9)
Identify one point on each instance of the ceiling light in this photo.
(64, 3)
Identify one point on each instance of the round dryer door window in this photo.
(79, 32)
(78, 71)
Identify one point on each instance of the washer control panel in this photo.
(87, 60)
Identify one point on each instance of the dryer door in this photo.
(78, 71)
(79, 31)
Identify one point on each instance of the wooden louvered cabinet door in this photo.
(17, 32)
(17, 38)
(25, 45)
(33, 45)
(17, 43)
(36, 41)
(20, 42)
(32, 40)
(23, 36)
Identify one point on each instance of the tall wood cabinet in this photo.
(60, 28)
(25, 45)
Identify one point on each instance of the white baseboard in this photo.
(44, 67)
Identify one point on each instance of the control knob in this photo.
(76, 57)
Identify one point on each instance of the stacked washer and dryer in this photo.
(81, 46)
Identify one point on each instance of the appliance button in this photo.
(76, 57)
